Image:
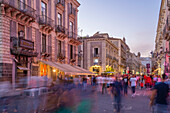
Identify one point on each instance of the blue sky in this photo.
(136, 20)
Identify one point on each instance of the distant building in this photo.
(102, 52)
(98, 54)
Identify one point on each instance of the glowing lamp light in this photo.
(54, 70)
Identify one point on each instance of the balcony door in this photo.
(71, 29)
(59, 19)
(21, 4)
(44, 11)
(43, 43)
(59, 47)
(71, 51)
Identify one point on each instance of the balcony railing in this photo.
(72, 35)
(61, 55)
(73, 59)
(108, 56)
(60, 2)
(44, 20)
(72, 11)
(95, 55)
(46, 49)
(60, 28)
(21, 6)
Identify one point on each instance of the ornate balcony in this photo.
(73, 59)
(73, 38)
(60, 4)
(18, 9)
(61, 32)
(46, 23)
(61, 56)
(46, 50)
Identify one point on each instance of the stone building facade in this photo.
(35, 30)
(123, 49)
(98, 54)
(162, 41)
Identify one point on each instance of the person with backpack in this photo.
(116, 92)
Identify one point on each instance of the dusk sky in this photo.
(136, 20)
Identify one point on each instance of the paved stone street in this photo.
(104, 103)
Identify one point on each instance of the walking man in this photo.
(160, 91)
(133, 84)
(116, 91)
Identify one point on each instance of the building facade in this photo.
(123, 49)
(162, 41)
(33, 31)
(98, 54)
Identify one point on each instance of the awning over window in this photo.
(22, 68)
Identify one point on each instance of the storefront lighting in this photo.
(54, 70)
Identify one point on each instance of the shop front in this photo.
(22, 51)
(96, 69)
(56, 70)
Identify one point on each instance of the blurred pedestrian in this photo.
(104, 81)
(84, 83)
(133, 85)
(116, 91)
(125, 85)
(160, 91)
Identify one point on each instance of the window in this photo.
(43, 43)
(43, 9)
(71, 29)
(71, 51)
(21, 30)
(71, 8)
(59, 46)
(96, 51)
(59, 19)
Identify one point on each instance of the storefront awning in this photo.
(84, 71)
(68, 69)
(22, 68)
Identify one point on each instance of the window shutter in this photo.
(38, 42)
(68, 53)
(64, 48)
(38, 7)
(49, 9)
(13, 29)
(56, 48)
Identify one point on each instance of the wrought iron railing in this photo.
(60, 28)
(108, 56)
(61, 55)
(21, 6)
(60, 2)
(72, 35)
(95, 55)
(44, 20)
(46, 49)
